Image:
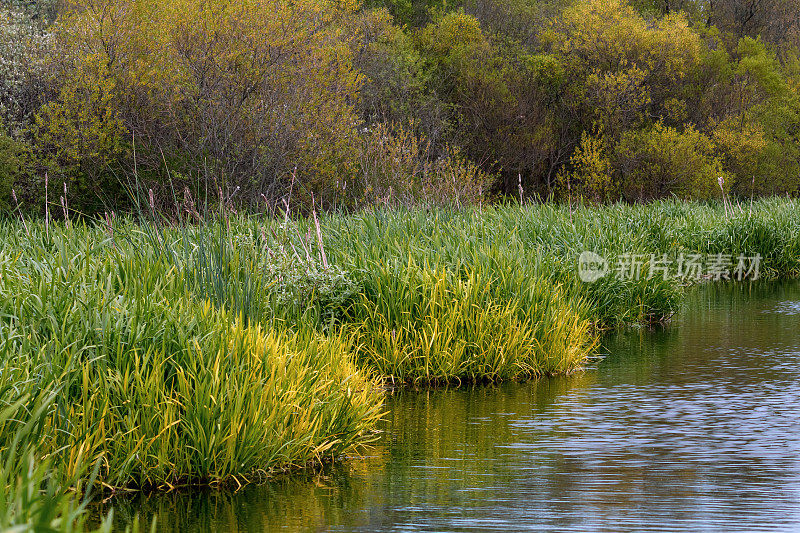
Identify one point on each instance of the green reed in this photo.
(230, 348)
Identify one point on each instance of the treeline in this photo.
(339, 103)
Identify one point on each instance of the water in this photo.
(696, 427)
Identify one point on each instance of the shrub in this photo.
(660, 161)
(398, 168)
(622, 68)
(81, 139)
(231, 95)
(26, 78)
(12, 167)
(591, 175)
(397, 86)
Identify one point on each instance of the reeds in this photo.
(225, 349)
(155, 382)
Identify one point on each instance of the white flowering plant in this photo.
(26, 47)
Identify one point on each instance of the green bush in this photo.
(661, 161)
(13, 168)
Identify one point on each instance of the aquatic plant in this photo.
(236, 347)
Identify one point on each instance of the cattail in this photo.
(65, 206)
(46, 206)
(109, 225)
(64, 209)
(24, 224)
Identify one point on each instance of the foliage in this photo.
(416, 325)
(80, 135)
(409, 12)
(232, 95)
(592, 174)
(12, 167)
(623, 68)
(662, 160)
(398, 168)
(216, 398)
(34, 494)
(120, 352)
(25, 48)
(397, 80)
(304, 101)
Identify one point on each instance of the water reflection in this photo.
(695, 427)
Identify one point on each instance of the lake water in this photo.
(692, 428)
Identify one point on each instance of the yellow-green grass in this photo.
(154, 383)
(222, 351)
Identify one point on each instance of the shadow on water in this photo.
(694, 427)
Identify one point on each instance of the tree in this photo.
(234, 95)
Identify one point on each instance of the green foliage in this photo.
(12, 168)
(623, 69)
(416, 325)
(410, 12)
(302, 284)
(80, 136)
(121, 351)
(661, 160)
(108, 324)
(397, 85)
(592, 174)
(760, 66)
(280, 101)
(228, 95)
(33, 494)
(744, 151)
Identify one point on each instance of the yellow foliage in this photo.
(80, 133)
(660, 161)
(453, 31)
(244, 90)
(619, 98)
(618, 61)
(591, 175)
(611, 35)
(741, 147)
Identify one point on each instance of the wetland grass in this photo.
(154, 355)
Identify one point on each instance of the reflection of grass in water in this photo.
(300, 502)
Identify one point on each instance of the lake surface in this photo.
(692, 428)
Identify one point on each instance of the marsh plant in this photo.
(155, 353)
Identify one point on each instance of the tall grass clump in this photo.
(156, 383)
(445, 292)
(35, 495)
(415, 324)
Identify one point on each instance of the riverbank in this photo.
(652, 438)
(167, 355)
